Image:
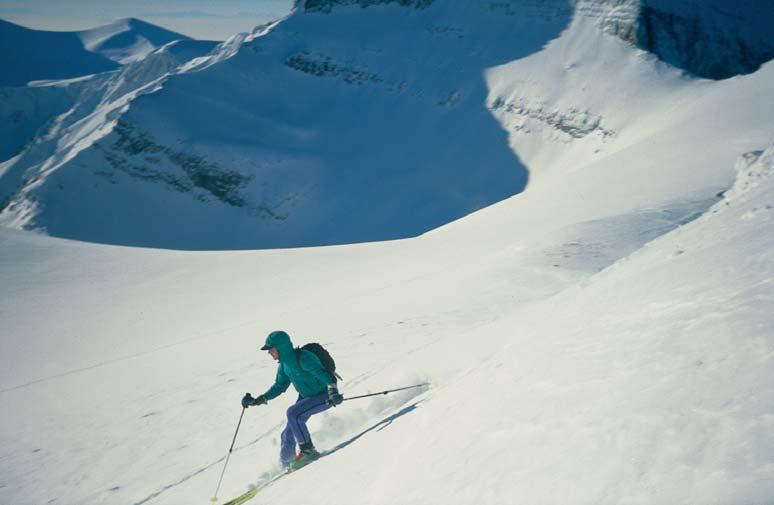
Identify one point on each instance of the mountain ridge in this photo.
(286, 146)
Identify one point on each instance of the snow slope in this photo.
(24, 111)
(32, 55)
(648, 382)
(604, 336)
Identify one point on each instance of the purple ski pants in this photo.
(296, 431)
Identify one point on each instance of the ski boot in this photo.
(307, 455)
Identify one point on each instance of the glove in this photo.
(248, 400)
(334, 398)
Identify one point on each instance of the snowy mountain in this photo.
(253, 164)
(32, 118)
(32, 55)
(72, 70)
(29, 55)
(371, 136)
(127, 40)
(602, 335)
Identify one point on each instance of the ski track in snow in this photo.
(378, 426)
(203, 469)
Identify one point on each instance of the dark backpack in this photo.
(325, 358)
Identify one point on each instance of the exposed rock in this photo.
(137, 154)
(324, 66)
(327, 5)
(708, 38)
(574, 122)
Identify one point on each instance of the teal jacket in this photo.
(303, 369)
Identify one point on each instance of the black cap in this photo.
(266, 348)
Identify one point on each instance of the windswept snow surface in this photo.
(603, 337)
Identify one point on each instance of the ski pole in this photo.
(388, 391)
(228, 456)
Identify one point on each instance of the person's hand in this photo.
(247, 400)
(334, 398)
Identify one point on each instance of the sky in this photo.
(201, 19)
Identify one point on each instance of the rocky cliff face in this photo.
(328, 5)
(714, 39)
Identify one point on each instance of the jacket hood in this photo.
(280, 341)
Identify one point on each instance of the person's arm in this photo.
(281, 384)
(312, 364)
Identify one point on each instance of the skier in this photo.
(317, 392)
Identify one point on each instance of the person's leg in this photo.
(300, 412)
(287, 445)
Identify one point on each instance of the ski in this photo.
(251, 494)
(244, 497)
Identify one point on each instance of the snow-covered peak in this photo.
(32, 55)
(127, 40)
